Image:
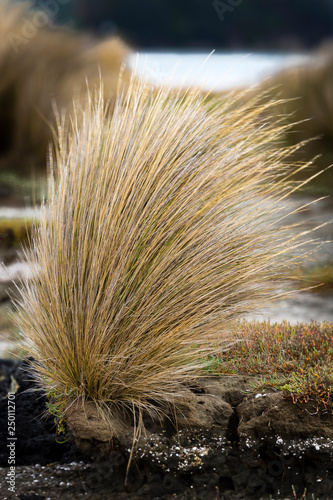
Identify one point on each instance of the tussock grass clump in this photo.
(297, 359)
(160, 228)
(38, 65)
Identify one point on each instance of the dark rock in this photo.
(270, 415)
(32, 497)
(5, 191)
(6, 366)
(197, 464)
(34, 428)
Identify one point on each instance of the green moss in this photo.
(295, 359)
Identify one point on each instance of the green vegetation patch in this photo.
(9, 332)
(24, 188)
(8, 329)
(297, 359)
(14, 232)
(319, 274)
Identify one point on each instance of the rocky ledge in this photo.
(230, 443)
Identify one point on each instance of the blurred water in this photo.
(303, 307)
(26, 213)
(218, 71)
(307, 306)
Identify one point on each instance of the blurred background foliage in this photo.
(194, 24)
(304, 93)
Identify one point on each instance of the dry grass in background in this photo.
(159, 229)
(55, 62)
(306, 93)
(51, 64)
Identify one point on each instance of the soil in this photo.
(230, 444)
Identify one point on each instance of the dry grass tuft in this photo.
(160, 228)
(41, 64)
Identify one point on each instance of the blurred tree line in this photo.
(237, 24)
